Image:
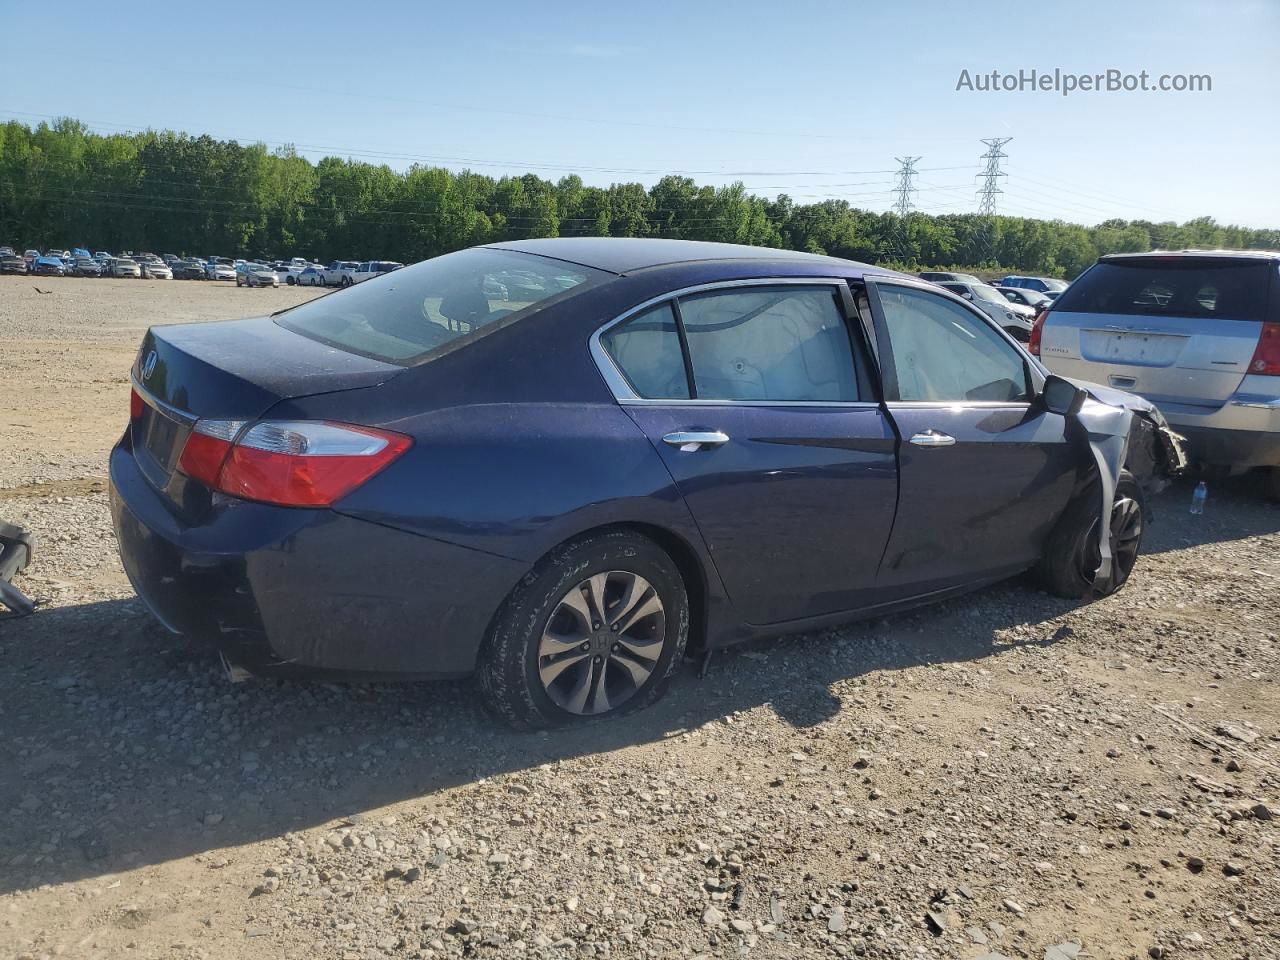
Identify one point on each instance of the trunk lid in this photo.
(236, 370)
(1172, 328)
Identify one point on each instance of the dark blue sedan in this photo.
(556, 463)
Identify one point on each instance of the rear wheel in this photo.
(597, 629)
(1072, 552)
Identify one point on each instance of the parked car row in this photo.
(252, 273)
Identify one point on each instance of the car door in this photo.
(984, 471)
(757, 397)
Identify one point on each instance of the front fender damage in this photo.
(1126, 431)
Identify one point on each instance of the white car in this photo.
(220, 268)
(374, 268)
(288, 272)
(1013, 317)
(255, 275)
(339, 273)
(124, 267)
(155, 270)
(313, 276)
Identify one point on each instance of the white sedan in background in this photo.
(287, 272)
(155, 270)
(255, 275)
(312, 276)
(1013, 317)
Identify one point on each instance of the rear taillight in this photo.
(1037, 328)
(293, 463)
(206, 449)
(136, 404)
(1266, 355)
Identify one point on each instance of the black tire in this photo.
(509, 667)
(1072, 554)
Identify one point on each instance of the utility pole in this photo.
(984, 239)
(902, 206)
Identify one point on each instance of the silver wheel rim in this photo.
(602, 642)
(1125, 530)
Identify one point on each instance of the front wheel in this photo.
(1072, 553)
(597, 629)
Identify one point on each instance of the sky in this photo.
(810, 99)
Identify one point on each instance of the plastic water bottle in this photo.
(1198, 498)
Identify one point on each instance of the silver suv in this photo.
(1196, 331)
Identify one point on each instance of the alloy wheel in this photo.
(602, 642)
(1125, 530)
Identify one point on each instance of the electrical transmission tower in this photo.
(984, 238)
(902, 205)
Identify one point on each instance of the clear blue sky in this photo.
(797, 97)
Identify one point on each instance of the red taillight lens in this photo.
(206, 449)
(1037, 328)
(136, 404)
(1266, 356)
(293, 463)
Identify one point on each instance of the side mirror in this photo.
(1062, 396)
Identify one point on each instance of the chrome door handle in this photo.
(690, 442)
(932, 438)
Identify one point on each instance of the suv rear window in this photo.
(409, 314)
(1173, 287)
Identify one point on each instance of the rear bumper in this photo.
(1243, 433)
(285, 591)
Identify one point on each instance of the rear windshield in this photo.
(403, 316)
(1173, 288)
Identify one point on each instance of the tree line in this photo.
(62, 185)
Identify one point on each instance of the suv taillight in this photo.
(1037, 328)
(291, 463)
(1266, 355)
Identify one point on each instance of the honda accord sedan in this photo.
(562, 464)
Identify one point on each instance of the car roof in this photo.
(1191, 254)
(623, 255)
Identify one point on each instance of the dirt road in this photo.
(1003, 775)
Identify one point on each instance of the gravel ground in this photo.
(1006, 775)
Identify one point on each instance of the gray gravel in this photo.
(1005, 775)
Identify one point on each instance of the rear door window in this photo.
(787, 344)
(646, 348)
(1175, 287)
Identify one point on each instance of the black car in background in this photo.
(48, 267)
(187, 270)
